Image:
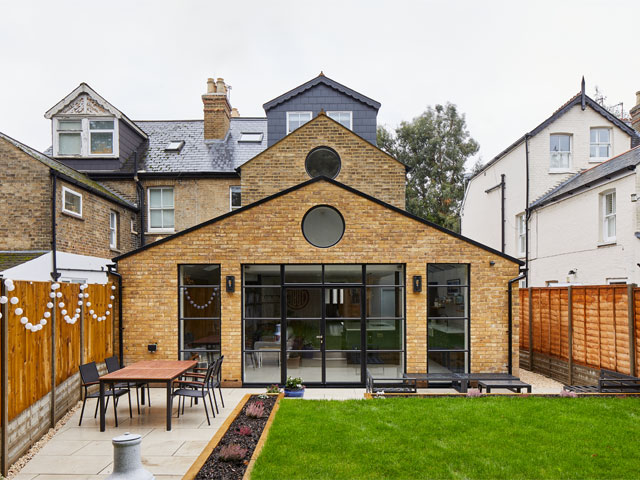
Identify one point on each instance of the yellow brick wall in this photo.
(364, 166)
(271, 233)
(195, 200)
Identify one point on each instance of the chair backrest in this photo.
(209, 374)
(217, 368)
(89, 373)
(112, 364)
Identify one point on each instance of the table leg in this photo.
(169, 404)
(101, 401)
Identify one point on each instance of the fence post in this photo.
(530, 332)
(4, 324)
(54, 310)
(632, 328)
(570, 332)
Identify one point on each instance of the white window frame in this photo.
(606, 218)
(561, 169)
(113, 230)
(66, 190)
(231, 190)
(298, 113)
(521, 234)
(151, 229)
(332, 112)
(85, 136)
(598, 144)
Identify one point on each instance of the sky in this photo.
(507, 65)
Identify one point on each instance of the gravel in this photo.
(540, 383)
(36, 447)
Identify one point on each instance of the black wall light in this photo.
(152, 347)
(231, 283)
(417, 283)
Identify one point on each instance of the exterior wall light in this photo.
(152, 347)
(231, 283)
(417, 283)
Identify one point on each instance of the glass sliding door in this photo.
(316, 322)
(448, 318)
(199, 319)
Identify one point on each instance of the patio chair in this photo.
(90, 376)
(216, 379)
(113, 364)
(196, 389)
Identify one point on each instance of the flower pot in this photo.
(299, 393)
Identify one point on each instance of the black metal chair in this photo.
(113, 364)
(196, 389)
(216, 379)
(90, 376)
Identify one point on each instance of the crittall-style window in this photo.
(600, 146)
(113, 230)
(296, 120)
(608, 216)
(199, 318)
(235, 197)
(71, 202)
(522, 234)
(86, 137)
(560, 152)
(344, 118)
(323, 323)
(448, 318)
(161, 209)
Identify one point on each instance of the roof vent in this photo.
(174, 146)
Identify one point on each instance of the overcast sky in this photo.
(506, 64)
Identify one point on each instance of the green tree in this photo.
(435, 146)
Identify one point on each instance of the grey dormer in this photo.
(321, 93)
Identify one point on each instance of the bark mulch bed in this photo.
(214, 467)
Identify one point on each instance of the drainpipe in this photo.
(501, 185)
(54, 176)
(112, 271)
(527, 212)
(510, 328)
(4, 381)
(140, 193)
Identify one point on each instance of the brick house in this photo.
(320, 272)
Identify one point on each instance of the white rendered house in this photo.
(497, 208)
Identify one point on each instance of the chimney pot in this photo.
(211, 86)
(234, 112)
(220, 86)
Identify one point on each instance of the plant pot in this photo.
(299, 393)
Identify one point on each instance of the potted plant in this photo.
(293, 387)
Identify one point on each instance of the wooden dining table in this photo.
(160, 371)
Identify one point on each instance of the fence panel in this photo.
(98, 334)
(68, 334)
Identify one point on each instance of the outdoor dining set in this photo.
(182, 378)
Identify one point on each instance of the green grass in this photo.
(467, 438)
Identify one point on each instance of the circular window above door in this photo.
(323, 161)
(323, 226)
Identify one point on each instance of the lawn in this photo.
(469, 438)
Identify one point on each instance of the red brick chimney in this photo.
(217, 110)
(635, 114)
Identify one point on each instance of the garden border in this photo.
(263, 438)
(195, 467)
(372, 396)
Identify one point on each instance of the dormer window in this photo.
(86, 137)
(174, 146)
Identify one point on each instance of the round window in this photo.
(323, 226)
(323, 161)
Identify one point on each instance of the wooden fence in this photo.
(569, 333)
(33, 360)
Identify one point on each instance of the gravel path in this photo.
(540, 383)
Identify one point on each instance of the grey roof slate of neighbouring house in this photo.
(616, 165)
(197, 154)
(572, 102)
(69, 174)
(315, 81)
(13, 259)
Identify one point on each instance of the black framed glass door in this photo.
(317, 322)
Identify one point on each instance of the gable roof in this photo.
(577, 99)
(397, 210)
(84, 88)
(624, 162)
(316, 119)
(70, 175)
(316, 81)
(199, 155)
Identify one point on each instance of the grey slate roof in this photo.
(69, 173)
(198, 154)
(623, 162)
(315, 81)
